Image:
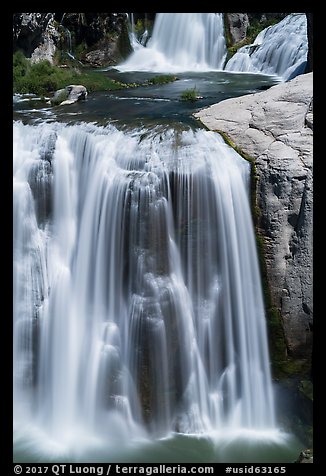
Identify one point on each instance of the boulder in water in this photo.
(69, 95)
(306, 456)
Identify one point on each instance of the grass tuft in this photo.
(162, 79)
(190, 95)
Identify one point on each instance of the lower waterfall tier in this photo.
(137, 295)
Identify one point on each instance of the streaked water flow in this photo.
(181, 42)
(280, 49)
(137, 299)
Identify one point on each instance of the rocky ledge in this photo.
(275, 128)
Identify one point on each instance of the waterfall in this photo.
(137, 299)
(68, 39)
(195, 42)
(181, 42)
(69, 43)
(280, 49)
(132, 34)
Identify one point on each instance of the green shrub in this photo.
(139, 27)
(20, 66)
(43, 78)
(253, 30)
(256, 27)
(80, 50)
(39, 78)
(162, 79)
(142, 25)
(190, 94)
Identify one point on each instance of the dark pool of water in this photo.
(178, 448)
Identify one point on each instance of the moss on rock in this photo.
(283, 365)
(254, 28)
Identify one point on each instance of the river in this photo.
(65, 274)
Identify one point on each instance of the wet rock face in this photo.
(93, 27)
(237, 24)
(306, 456)
(275, 128)
(29, 30)
(285, 200)
(104, 35)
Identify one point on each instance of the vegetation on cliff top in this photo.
(162, 79)
(43, 78)
(253, 30)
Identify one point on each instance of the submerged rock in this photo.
(274, 127)
(69, 95)
(306, 456)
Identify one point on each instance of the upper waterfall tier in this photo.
(280, 49)
(181, 42)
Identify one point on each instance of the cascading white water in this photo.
(135, 44)
(280, 49)
(137, 298)
(181, 42)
